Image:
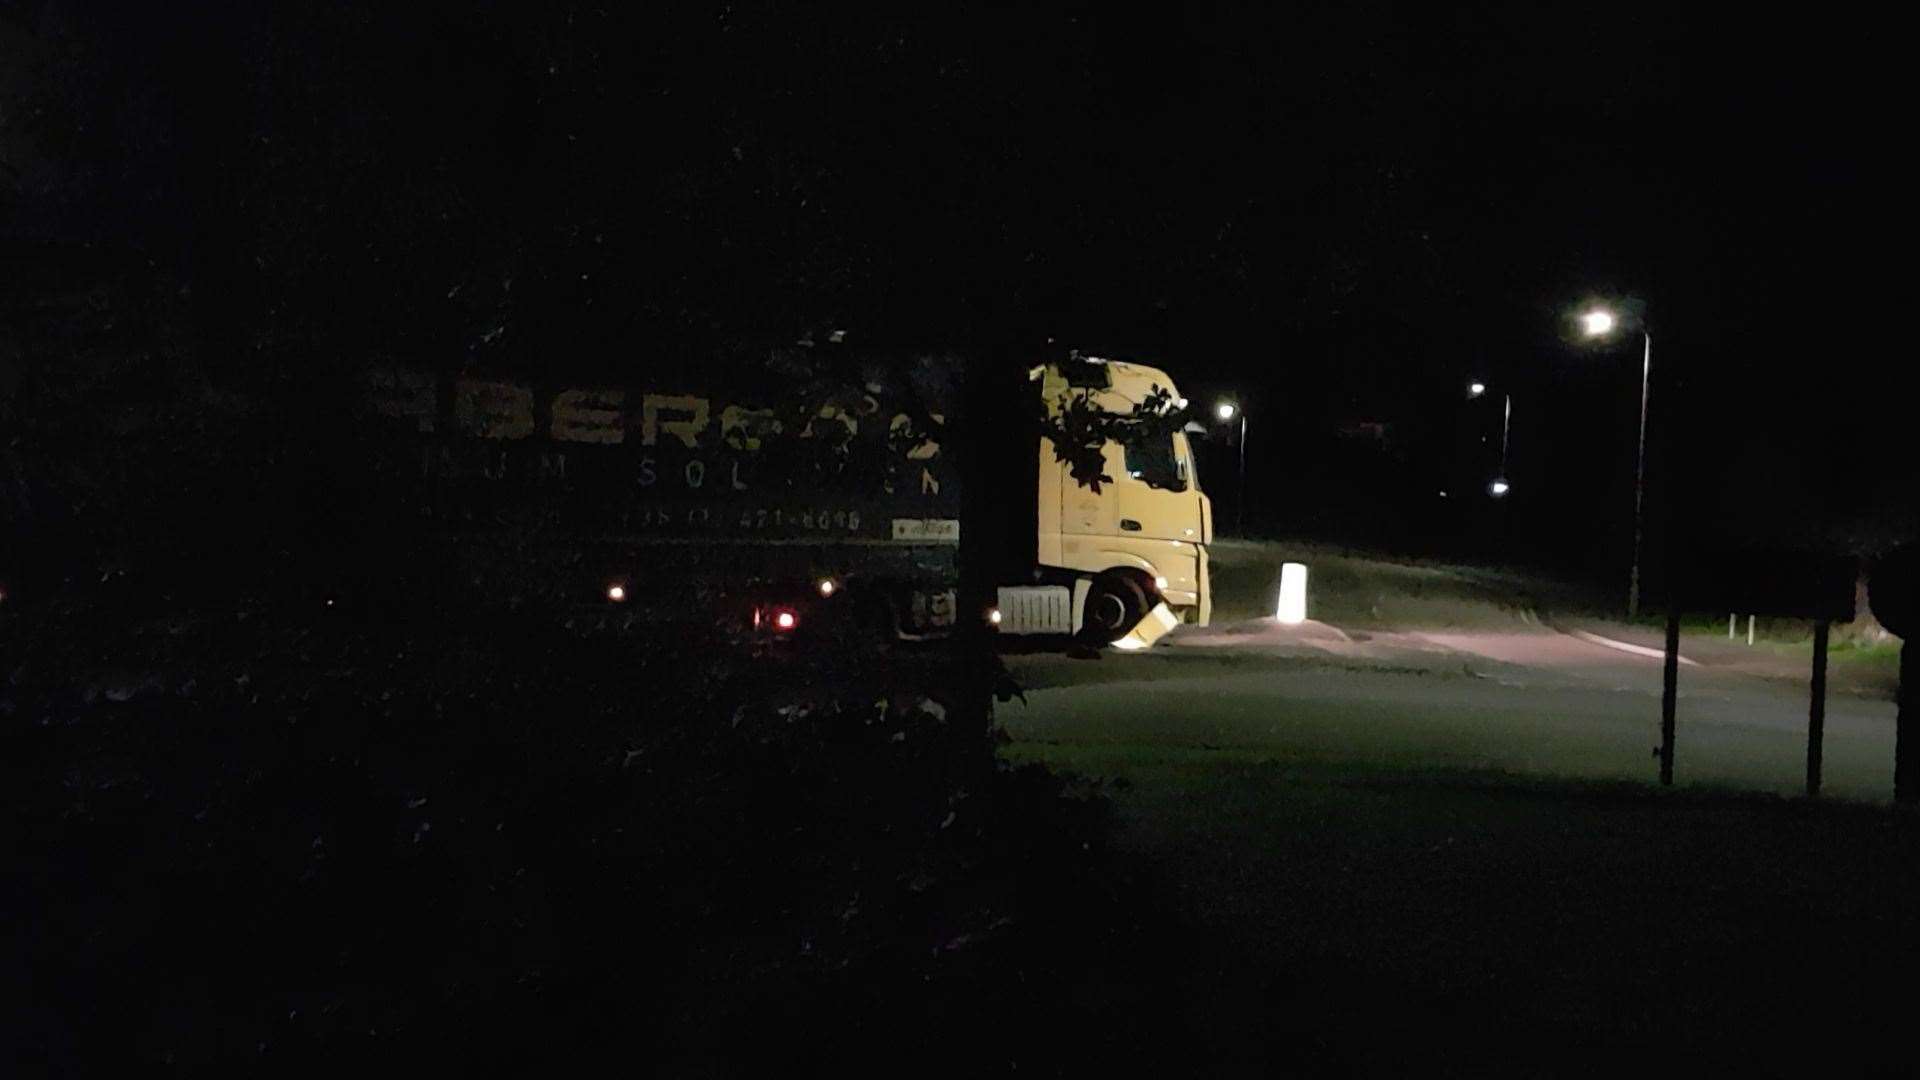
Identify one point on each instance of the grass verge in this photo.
(1356, 590)
(1374, 920)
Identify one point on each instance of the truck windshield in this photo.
(1155, 462)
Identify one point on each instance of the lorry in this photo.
(782, 488)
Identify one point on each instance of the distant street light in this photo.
(1599, 323)
(1226, 410)
(1478, 389)
(1499, 488)
(1506, 427)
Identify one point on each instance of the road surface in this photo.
(1530, 700)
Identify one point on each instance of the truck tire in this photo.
(1115, 604)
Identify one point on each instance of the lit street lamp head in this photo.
(1225, 410)
(1475, 389)
(1597, 323)
(1498, 488)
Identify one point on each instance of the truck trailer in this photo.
(779, 488)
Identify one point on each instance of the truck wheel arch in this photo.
(1125, 562)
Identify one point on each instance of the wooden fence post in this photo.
(1669, 695)
(1817, 710)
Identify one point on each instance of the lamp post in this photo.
(1506, 427)
(1600, 323)
(1476, 389)
(1225, 411)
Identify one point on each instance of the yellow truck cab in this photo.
(1135, 550)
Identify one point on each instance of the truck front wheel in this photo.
(1115, 605)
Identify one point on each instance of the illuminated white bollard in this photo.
(1293, 594)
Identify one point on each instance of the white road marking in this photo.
(1622, 646)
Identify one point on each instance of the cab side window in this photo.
(1155, 462)
(1189, 473)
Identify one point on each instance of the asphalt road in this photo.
(1530, 700)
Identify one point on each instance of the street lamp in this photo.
(1599, 323)
(1499, 488)
(1226, 410)
(1506, 426)
(1478, 389)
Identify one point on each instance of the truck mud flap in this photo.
(1150, 629)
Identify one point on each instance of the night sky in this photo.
(1336, 214)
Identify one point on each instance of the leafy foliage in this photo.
(1080, 430)
(355, 840)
